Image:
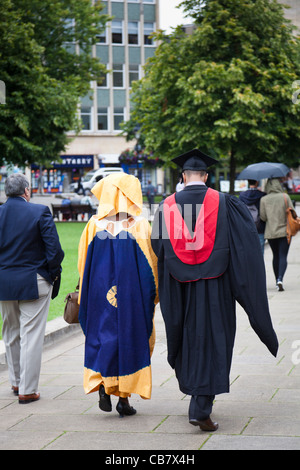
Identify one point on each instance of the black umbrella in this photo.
(258, 171)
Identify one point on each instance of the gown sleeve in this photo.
(170, 293)
(247, 272)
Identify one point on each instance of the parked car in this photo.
(92, 177)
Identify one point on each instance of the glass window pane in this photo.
(86, 122)
(133, 29)
(117, 32)
(133, 39)
(118, 75)
(133, 73)
(117, 122)
(101, 38)
(86, 117)
(85, 109)
(102, 119)
(102, 123)
(118, 79)
(102, 80)
(118, 118)
(133, 76)
(116, 38)
(148, 29)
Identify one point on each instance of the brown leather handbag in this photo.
(71, 311)
(292, 222)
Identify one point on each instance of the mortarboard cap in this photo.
(194, 160)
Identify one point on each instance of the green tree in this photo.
(46, 65)
(226, 88)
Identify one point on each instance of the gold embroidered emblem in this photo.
(112, 296)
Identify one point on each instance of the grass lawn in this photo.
(69, 235)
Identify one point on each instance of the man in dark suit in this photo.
(30, 263)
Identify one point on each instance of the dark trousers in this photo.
(201, 406)
(280, 248)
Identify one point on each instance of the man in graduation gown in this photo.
(209, 257)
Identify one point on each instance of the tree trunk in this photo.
(232, 172)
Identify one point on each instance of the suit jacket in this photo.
(29, 245)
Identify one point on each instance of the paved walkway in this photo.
(262, 410)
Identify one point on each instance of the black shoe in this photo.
(124, 409)
(205, 425)
(105, 401)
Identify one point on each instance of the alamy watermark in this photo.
(2, 92)
(296, 354)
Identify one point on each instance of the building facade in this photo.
(123, 47)
(292, 12)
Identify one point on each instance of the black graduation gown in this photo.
(199, 315)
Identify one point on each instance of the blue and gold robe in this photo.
(118, 294)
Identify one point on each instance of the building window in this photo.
(117, 32)
(102, 37)
(70, 29)
(102, 81)
(118, 81)
(118, 118)
(148, 29)
(86, 118)
(133, 73)
(102, 117)
(133, 32)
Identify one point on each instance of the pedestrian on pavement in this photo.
(252, 198)
(118, 294)
(30, 266)
(208, 257)
(150, 193)
(273, 211)
(180, 184)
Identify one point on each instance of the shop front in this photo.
(60, 175)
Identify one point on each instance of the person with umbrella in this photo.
(273, 212)
(259, 171)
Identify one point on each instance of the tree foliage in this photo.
(43, 74)
(226, 88)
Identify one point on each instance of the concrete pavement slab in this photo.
(221, 442)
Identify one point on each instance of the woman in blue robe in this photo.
(118, 294)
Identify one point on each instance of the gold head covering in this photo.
(116, 193)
